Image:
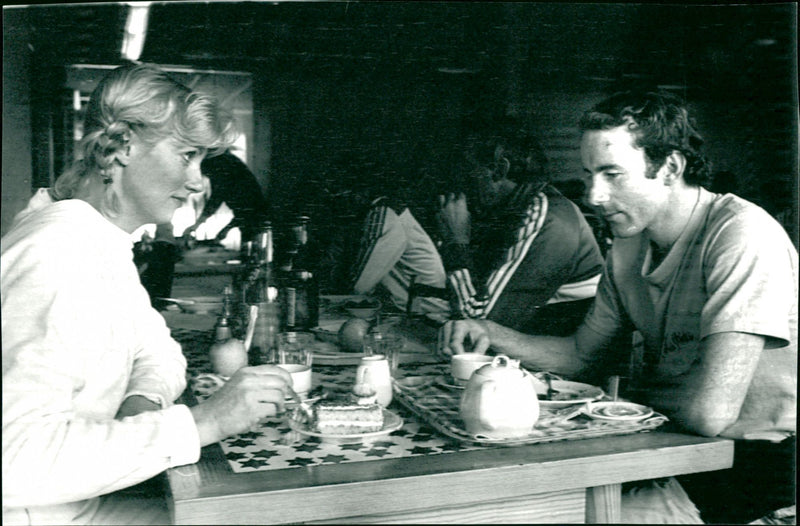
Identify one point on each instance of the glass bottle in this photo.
(263, 292)
(299, 287)
(242, 280)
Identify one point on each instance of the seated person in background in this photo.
(155, 259)
(234, 184)
(519, 252)
(710, 283)
(90, 372)
(395, 251)
(530, 259)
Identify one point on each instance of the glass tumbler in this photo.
(389, 345)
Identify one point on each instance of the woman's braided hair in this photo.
(141, 99)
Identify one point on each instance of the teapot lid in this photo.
(502, 367)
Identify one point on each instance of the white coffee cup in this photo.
(463, 365)
(301, 376)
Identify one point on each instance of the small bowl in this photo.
(366, 309)
(202, 305)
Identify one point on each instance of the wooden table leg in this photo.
(603, 504)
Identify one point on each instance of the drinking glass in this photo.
(295, 355)
(388, 345)
(295, 347)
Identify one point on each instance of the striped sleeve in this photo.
(477, 302)
(383, 241)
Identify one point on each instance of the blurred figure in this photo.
(515, 249)
(510, 248)
(395, 251)
(234, 184)
(90, 372)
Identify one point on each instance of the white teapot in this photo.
(500, 401)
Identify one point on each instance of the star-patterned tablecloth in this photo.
(430, 421)
(265, 448)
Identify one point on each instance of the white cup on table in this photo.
(463, 365)
(301, 377)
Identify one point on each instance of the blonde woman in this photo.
(90, 372)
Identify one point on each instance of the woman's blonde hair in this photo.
(142, 99)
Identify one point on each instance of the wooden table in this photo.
(558, 482)
(564, 482)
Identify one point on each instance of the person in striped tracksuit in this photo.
(529, 260)
(517, 251)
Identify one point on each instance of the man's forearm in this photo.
(541, 353)
(708, 398)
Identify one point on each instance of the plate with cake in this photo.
(345, 420)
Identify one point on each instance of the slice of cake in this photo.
(346, 416)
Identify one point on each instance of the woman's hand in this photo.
(456, 334)
(251, 394)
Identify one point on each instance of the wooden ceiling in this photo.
(722, 47)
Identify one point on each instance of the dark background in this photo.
(353, 99)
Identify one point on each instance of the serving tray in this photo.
(439, 407)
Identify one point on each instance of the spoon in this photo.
(302, 404)
(550, 391)
(178, 301)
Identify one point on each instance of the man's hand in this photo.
(453, 219)
(455, 334)
(133, 405)
(251, 394)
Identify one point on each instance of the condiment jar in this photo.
(374, 371)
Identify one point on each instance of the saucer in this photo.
(568, 393)
(618, 411)
(449, 382)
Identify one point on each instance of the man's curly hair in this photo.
(661, 124)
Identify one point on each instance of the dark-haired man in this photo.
(709, 281)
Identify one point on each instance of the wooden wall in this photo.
(350, 99)
(17, 163)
